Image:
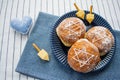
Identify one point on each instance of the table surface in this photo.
(12, 43)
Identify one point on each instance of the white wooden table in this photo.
(12, 43)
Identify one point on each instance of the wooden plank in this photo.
(116, 11)
(17, 43)
(89, 3)
(118, 3)
(44, 7)
(100, 8)
(32, 14)
(95, 6)
(32, 11)
(23, 37)
(84, 6)
(1, 3)
(108, 14)
(49, 6)
(61, 7)
(56, 9)
(2, 23)
(67, 7)
(8, 54)
(80, 4)
(3, 42)
(112, 14)
(11, 46)
(37, 8)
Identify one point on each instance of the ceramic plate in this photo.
(60, 51)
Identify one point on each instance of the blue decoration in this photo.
(22, 26)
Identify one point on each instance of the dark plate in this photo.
(60, 51)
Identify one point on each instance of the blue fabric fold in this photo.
(30, 64)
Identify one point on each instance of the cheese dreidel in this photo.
(90, 16)
(80, 13)
(41, 53)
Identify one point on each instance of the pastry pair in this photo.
(84, 54)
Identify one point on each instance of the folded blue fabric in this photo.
(30, 64)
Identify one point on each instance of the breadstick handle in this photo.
(76, 6)
(36, 47)
(91, 7)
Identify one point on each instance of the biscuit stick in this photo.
(90, 16)
(41, 53)
(80, 13)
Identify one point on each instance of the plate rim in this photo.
(67, 65)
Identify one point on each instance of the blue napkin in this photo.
(30, 64)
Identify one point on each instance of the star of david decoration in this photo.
(85, 60)
(71, 31)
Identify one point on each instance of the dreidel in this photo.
(90, 16)
(41, 53)
(80, 13)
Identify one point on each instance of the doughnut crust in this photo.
(70, 30)
(83, 56)
(101, 37)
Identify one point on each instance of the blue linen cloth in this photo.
(30, 64)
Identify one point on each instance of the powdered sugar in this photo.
(72, 33)
(100, 34)
(86, 60)
(101, 37)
